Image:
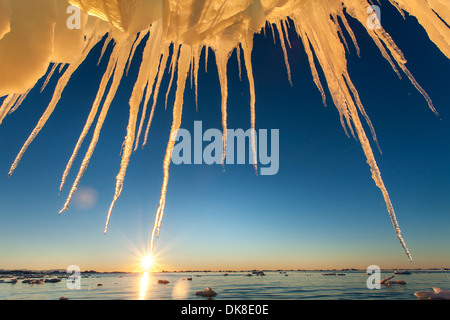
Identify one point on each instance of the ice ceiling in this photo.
(35, 41)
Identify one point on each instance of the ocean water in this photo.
(296, 285)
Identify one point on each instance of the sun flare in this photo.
(147, 263)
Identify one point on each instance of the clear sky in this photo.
(322, 209)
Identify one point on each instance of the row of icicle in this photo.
(323, 41)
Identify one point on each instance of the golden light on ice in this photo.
(34, 36)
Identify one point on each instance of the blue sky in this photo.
(322, 209)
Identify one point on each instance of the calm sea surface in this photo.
(273, 286)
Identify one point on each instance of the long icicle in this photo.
(197, 54)
(148, 70)
(222, 60)
(183, 68)
(285, 54)
(119, 71)
(172, 67)
(92, 114)
(162, 68)
(310, 55)
(62, 83)
(247, 47)
(376, 176)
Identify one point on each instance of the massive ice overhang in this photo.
(34, 34)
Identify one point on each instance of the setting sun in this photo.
(147, 263)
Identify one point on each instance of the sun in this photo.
(147, 263)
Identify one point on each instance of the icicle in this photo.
(149, 68)
(376, 175)
(8, 103)
(398, 8)
(273, 33)
(49, 76)
(92, 114)
(285, 27)
(238, 55)
(183, 63)
(19, 102)
(139, 39)
(380, 37)
(323, 42)
(148, 71)
(434, 17)
(360, 14)
(61, 67)
(191, 70)
(247, 47)
(340, 32)
(122, 58)
(162, 67)
(398, 55)
(148, 93)
(108, 40)
(351, 33)
(361, 108)
(283, 46)
(339, 83)
(315, 74)
(419, 88)
(172, 67)
(62, 83)
(206, 58)
(222, 60)
(197, 55)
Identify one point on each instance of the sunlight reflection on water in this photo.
(144, 285)
(272, 286)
